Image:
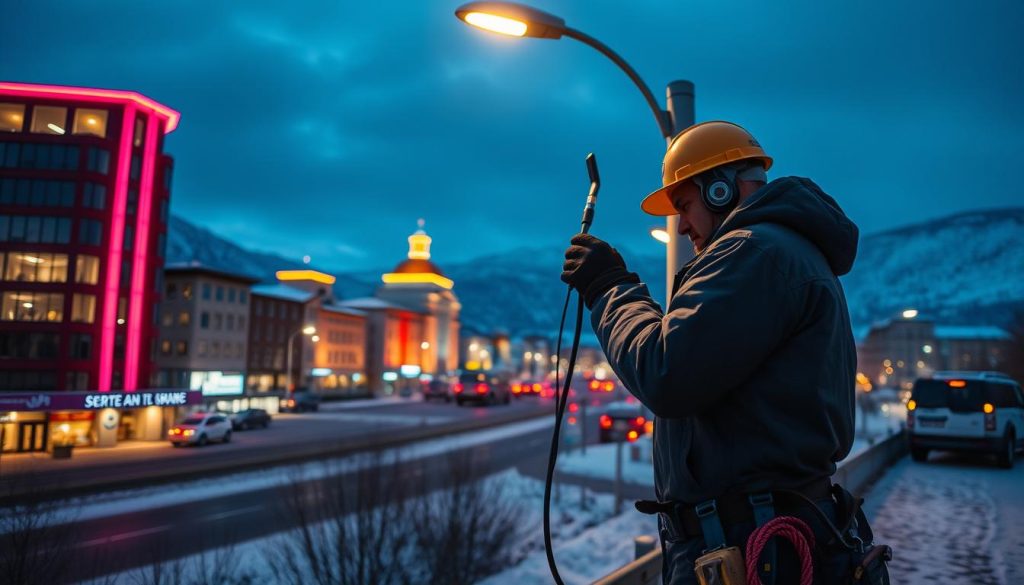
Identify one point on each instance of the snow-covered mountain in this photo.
(966, 268)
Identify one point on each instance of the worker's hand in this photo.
(592, 267)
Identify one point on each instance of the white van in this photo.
(966, 411)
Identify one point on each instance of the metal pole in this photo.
(288, 372)
(618, 477)
(679, 99)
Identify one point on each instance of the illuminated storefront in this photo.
(38, 420)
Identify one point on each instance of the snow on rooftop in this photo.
(970, 332)
(282, 291)
(344, 310)
(373, 303)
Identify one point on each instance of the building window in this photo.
(206, 291)
(32, 306)
(37, 193)
(140, 132)
(122, 310)
(12, 117)
(231, 322)
(80, 347)
(243, 297)
(184, 318)
(181, 347)
(49, 120)
(136, 168)
(231, 295)
(165, 347)
(218, 321)
(129, 238)
(98, 160)
(220, 293)
(168, 319)
(215, 349)
(35, 229)
(26, 345)
(35, 267)
(76, 381)
(90, 232)
(186, 291)
(94, 196)
(30, 380)
(204, 320)
(241, 323)
(83, 308)
(90, 122)
(87, 269)
(202, 349)
(172, 291)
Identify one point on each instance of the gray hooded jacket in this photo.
(750, 374)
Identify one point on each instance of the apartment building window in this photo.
(184, 318)
(202, 349)
(165, 347)
(231, 322)
(215, 349)
(220, 293)
(171, 292)
(35, 229)
(140, 132)
(218, 321)
(186, 291)
(32, 306)
(35, 267)
(231, 295)
(90, 122)
(83, 308)
(12, 117)
(168, 319)
(241, 323)
(90, 232)
(98, 160)
(76, 381)
(204, 320)
(26, 345)
(80, 347)
(37, 192)
(271, 305)
(181, 347)
(49, 120)
(94, 195)
(206, 291)
(87, 269)
(243, 297)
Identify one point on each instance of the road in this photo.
(955, 519)
(338, 428)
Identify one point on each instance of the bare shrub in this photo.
(34, 545)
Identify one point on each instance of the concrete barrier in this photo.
(856, 474)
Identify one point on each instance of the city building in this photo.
(339, 355)
(204, 334)
(84, 196)
(281, 317)
(896, 352)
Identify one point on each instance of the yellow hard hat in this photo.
(697, 149)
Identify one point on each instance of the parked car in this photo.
(966, 411)
(301, 401)
(200, 428)
(250, 418)
(436, 388)
(622, 421)
(482, 387)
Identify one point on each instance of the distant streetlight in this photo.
(910, 313)
(661, 235)
(517, 20)
(305, 330)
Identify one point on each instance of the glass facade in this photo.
(49, 120)
(90, 122)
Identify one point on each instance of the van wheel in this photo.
(1008, 451)
(202, 440)
(919, 454)
(227, 437)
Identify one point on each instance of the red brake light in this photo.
(517, 388)
(481, 388)
(574, 407)
(606, 421)
(572, 420)
(536, 388)
(640, 421)
(457, 389)
(609, 386)
(595, 385)
(632, 436)
(957, 383)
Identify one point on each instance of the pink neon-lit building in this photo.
(84, 195)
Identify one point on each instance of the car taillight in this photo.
(573, 407)
(188, 432)
(639, 421)
(458, 389)
(608, 386)
(536, 388)
(595, 385)
(990, 416)
(572, 420)
(632, 436)
(606, 421)
(291, 403)
(481, 388)
(517, 388)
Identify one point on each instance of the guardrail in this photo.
(855, 474)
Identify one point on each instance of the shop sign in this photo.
(97, 400)
(217, 383)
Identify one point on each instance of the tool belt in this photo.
(734, 508)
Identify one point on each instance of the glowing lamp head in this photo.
(509, 18)
(309, 330)
(661, 235)
(987, 408)
(910, 313)
(911, 405)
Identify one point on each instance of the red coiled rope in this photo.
(795, 531)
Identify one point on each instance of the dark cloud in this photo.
(328, 128)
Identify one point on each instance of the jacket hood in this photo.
(800, 205)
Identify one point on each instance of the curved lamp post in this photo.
(518, 20)
(305, 330)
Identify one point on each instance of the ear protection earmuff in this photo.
(718, 191)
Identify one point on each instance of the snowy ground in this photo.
(957, 519)
(589, 543)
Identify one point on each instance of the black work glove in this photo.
(592, 267)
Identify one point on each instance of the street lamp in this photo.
(518, 20)
(661, 235)
(305, 330)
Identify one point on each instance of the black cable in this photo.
(561, 399)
